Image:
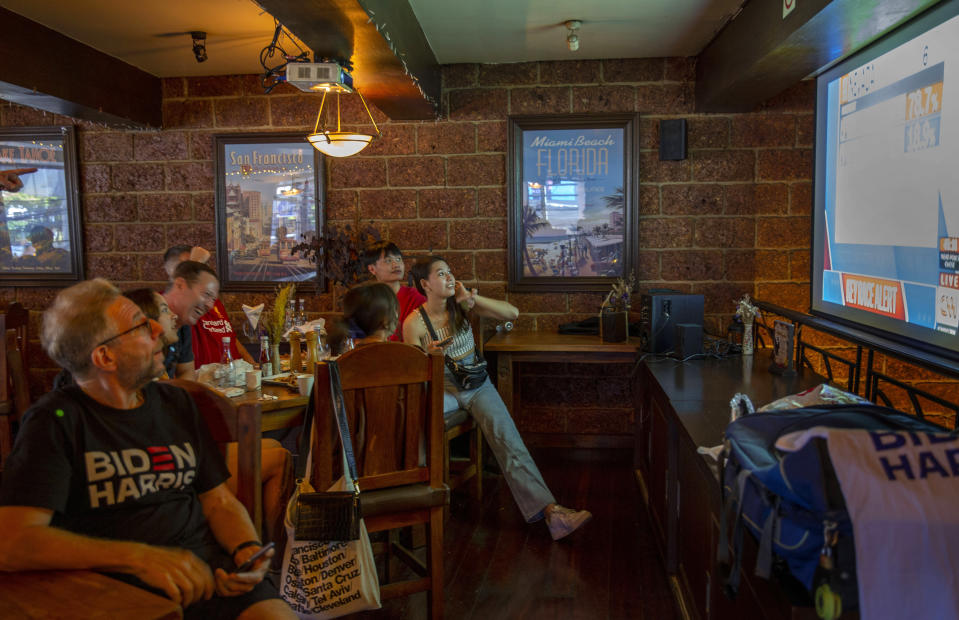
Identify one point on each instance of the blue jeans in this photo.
(485, 405)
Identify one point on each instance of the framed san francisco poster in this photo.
(572, 183)
(269, 198)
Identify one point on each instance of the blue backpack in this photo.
(791, 501)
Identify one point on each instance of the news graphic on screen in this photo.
(886, 234)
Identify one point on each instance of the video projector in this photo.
(319, 76)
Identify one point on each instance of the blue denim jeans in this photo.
(485, 405)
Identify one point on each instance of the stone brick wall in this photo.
(731, 218)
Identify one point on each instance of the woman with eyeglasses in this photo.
(154, 306)
(447, 306)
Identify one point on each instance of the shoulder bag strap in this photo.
(305, 445)
(339, 410)
(303, 469)
(429, 326)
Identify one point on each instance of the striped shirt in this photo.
(462, 346)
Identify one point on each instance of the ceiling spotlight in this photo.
(199, 45)
(572, 39)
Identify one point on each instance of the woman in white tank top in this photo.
(446, 307)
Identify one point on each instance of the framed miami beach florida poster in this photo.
(573, 201)
(269, 197)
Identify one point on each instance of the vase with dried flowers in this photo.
(747, 312)
(614, 313)
(336, 252)
(274, 322)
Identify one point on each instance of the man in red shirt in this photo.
(385, 261)
(209, 329)
(206, 341)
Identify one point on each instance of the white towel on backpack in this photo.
(902, 493)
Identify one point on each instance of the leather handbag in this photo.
(334, 515)
(468, 376)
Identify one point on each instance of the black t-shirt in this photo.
(120, 474)
(180, 352)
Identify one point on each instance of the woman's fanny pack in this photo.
(468, 376)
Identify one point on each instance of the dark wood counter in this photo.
(700, 390)
(680, 407)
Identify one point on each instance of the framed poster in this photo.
(41, 243)
(783, 338)
(572, 184)
(269, 197)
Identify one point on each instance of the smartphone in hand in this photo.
(242, 568)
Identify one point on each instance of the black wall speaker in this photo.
(660, 311)
(672, 139)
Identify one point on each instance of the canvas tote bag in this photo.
(324, 578)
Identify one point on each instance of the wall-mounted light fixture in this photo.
(340, 143)
(572, 38)
(199, 45)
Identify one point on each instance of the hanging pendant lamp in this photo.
(340, 143)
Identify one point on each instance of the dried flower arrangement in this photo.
(274, 321)
(336, 251)
(746, 311)
(618, 299)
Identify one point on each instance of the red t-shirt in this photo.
(208, 336)
(410, 299)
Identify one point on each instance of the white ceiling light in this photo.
(340, 143)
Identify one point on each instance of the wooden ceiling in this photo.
(95, 60)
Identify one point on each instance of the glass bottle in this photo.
(322, 349)
(265, 355)
(301, 313)
(288, 319)
(226, 373)
(296, 359)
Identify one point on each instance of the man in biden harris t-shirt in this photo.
(118, 473)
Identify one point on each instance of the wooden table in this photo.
(79, 594)
(284, 412)
(527, 346)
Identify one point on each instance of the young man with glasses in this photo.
(118, 473)
(384, 261)
(192, 291)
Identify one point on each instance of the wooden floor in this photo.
(497, 566)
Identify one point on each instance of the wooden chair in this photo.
(240, 424)
(14, 385)
(394, 400)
